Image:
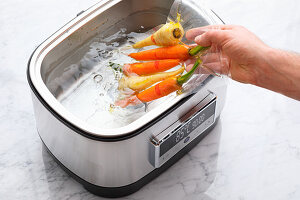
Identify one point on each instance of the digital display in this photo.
(182, 131)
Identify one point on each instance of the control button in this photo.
(186, 139)
(208, 122)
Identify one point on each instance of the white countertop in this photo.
(253, 152)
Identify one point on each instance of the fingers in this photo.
(200, 70)
(211, 57)
(216, 68)
(212, 37)
(193, 33)
(211, 68)
(212, 64)
(190, 61)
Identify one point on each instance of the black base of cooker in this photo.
(114, 192)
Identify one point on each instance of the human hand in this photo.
(242, 54)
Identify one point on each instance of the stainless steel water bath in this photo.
(117, 162)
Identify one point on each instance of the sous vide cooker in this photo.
(114, 162)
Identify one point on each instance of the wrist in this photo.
(264, 66)
(281, 72)
(274, 58)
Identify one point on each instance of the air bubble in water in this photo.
(98, 78)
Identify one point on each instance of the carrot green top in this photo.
(182, 79)
(195, 50)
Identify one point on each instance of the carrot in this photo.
(159, 90)
(168, 35)
(138, 83)
(172, 52)
(181, 52)
(150, 67)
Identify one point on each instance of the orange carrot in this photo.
(159, 90)
(171, 52)
(181, 52)
(150, 67)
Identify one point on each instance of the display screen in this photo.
(182, 131)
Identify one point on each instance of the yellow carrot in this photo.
(168, 35)
(138, 83)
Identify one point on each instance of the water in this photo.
(92, 95)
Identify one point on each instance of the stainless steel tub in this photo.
(115, 162)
